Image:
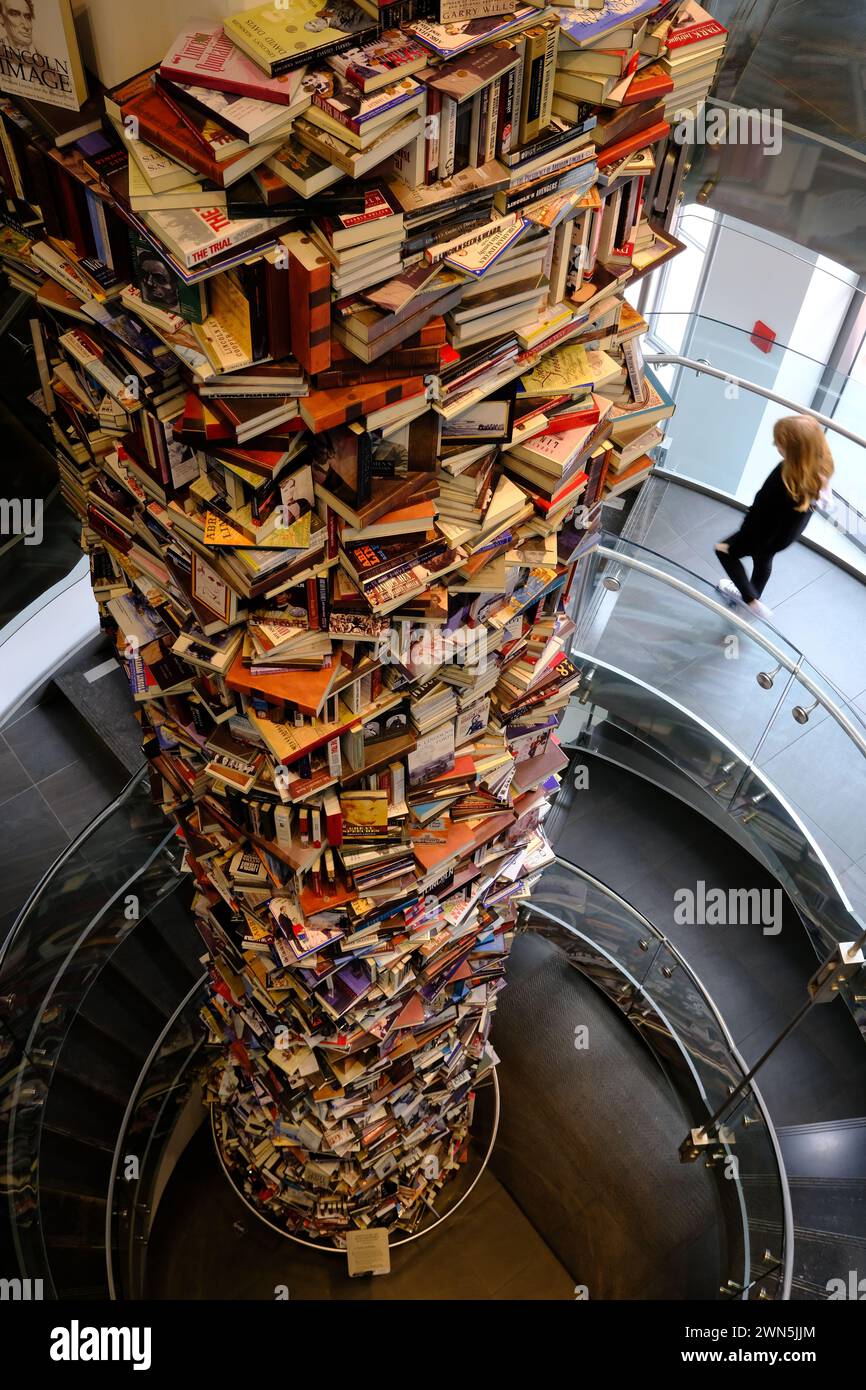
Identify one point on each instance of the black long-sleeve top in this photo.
(773, 522)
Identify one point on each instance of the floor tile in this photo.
(49, 738)
(79, 792)
(820, 618)
(32, 839)
(13, 778)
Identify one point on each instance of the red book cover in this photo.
(163, 124)
(571, 420)
(546, 504)
(204, 56)
(72, 219)
(648, 85)
(699, 30)
(621, 148)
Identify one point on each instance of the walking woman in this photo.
(780, 510)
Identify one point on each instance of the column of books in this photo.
(336, 353)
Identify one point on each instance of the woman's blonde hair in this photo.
(807, 464)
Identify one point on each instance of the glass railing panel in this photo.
(57, 1006)
(102, 887)
(581, 905)
(675, 734)
(65, 908)
(168, 1084)
(814, 757)
(736, 455)
(682, 1002)
(752, 1158)
(675, 633)
(670, 1007)
(722, 434)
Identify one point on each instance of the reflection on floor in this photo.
(679, 647)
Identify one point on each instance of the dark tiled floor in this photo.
(55, 776)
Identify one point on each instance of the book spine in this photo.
(465, 120)
(431, 134)
(510, 199)
(505, 120)
(478, 133)
(492, 123)
(277, 299)
(12, 159)
(447, 137)
(97, 224)
(332, 522)
(534, 50)
(191, 153)
(552, 31)
(310, 311)
(280, 66)
(364, 478)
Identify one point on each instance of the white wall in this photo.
(723, 438)
(120, 37)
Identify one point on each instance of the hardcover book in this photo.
(449, 40)
(350, 107)
(305, 172)
(382, 61)
(204, 56)
(280, 38)
(247, 118)
(463, 77)
(39, 55)
(585, 27)
(195, 235)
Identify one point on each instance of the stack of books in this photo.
(687, 46)
(340, 368)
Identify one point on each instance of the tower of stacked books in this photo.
(336, 353)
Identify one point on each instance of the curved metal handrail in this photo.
(753, 633)
(650, 314)
(674, 359)
(99, 819)
(132, 1102)
(648, 926)
(749, 765)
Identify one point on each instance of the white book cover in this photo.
(195, 235)
(39, 56)
(253, 120)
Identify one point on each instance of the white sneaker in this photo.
(760, 610)
(728, 588)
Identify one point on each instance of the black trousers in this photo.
(731, 561)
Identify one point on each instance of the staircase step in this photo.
(837, 1206)
(104, 703)
(822, 1256)
(836, 1149)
